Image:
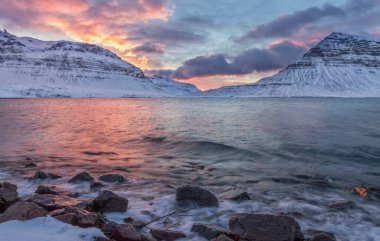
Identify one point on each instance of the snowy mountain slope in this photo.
(35, 68)
(341, 65)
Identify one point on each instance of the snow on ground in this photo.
(45, 229)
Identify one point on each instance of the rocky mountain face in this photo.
(341, 65)
(35, 68)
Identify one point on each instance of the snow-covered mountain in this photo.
(35, 68)
(341, 65)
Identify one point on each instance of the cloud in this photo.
(253, 60)
(148, 48)
(287, 25)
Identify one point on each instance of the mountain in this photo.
(34, 68)
(341, 65)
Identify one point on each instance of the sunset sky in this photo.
(209, 43)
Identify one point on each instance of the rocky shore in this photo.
(65, 206)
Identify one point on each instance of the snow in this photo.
(35, 68)
(45, 229)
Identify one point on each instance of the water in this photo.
(292, 155)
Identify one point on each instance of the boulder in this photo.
(108, 201)
(208, 231)
(112, 178)
(22, 211)
(96, 186)
(253, 227)
(222, 238)
(78, 217)
(49, 189)
(235, 194)
(81, 177)
(52, 202)
(166, 235)
(108, 228)
(125, 232)
(195, 196)
(8, 195)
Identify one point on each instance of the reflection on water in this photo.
(291, 154)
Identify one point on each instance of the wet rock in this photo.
(108, 228)
(166, 235)
(253, 227)
(135, 223)
(49, 189)
(323, 237)
(22, 211)
(235, 194)
(190, 196)
(316, 235)
(52, 202)
(125, 232)
(78, 217)
(81, 177)
(30, 164)
(8, 195)
(340, 205)
(208, 231)
(96, 186)
(112, 178)
(222, 238)
(42, 175)
(108, 201)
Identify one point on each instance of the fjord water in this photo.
(293, 155)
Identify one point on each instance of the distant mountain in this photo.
(34, 68)
(341, 65)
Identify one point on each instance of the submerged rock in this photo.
(235, 194)
(81, 177)
(22, 211)
(8, 195)
(42, 175)
(253, 227)
(166, 235)
(49, 189)
(208, 231)
(30, 164)
(52, 202)
(112, 178)
(96, 186)
(190, 196)
(124, 232)
(78, 217)
(108, 201)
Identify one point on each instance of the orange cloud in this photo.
(102, 22)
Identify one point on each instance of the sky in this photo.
(209, 43)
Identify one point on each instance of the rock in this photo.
(235, 194)
(108, 228)
(253, 227)
(78, 217)
(48, 189)
(135, 223)
(208, 231)
(108, 201)
(42, 175)
(112, 178)
(197, 196)
(323, 237)
(222, 238)
(361, 190)
(30, 164)
(147, 237)
(96, 186)
(166, 235)
(124, 232)
(22, 211)
(52, 202)
(341, 205)
(81, 177)
(8, 195)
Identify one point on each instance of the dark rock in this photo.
(83, 218)
(222, 238)
(52, 202)
(341, 205)
(253, 227)
(96, 186)
(57, 212)
(68, 218)
(323, 237)
(235, 194)
(112, 178)
(135, 223)
(208, 231)
(8, 195)
(30, 164)
(42, 175)
(48, 189)
(22, 211)
(166, 235)
(108, 201)
(190, 196)
(108, 228)
(81, 177)
(124, 232)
